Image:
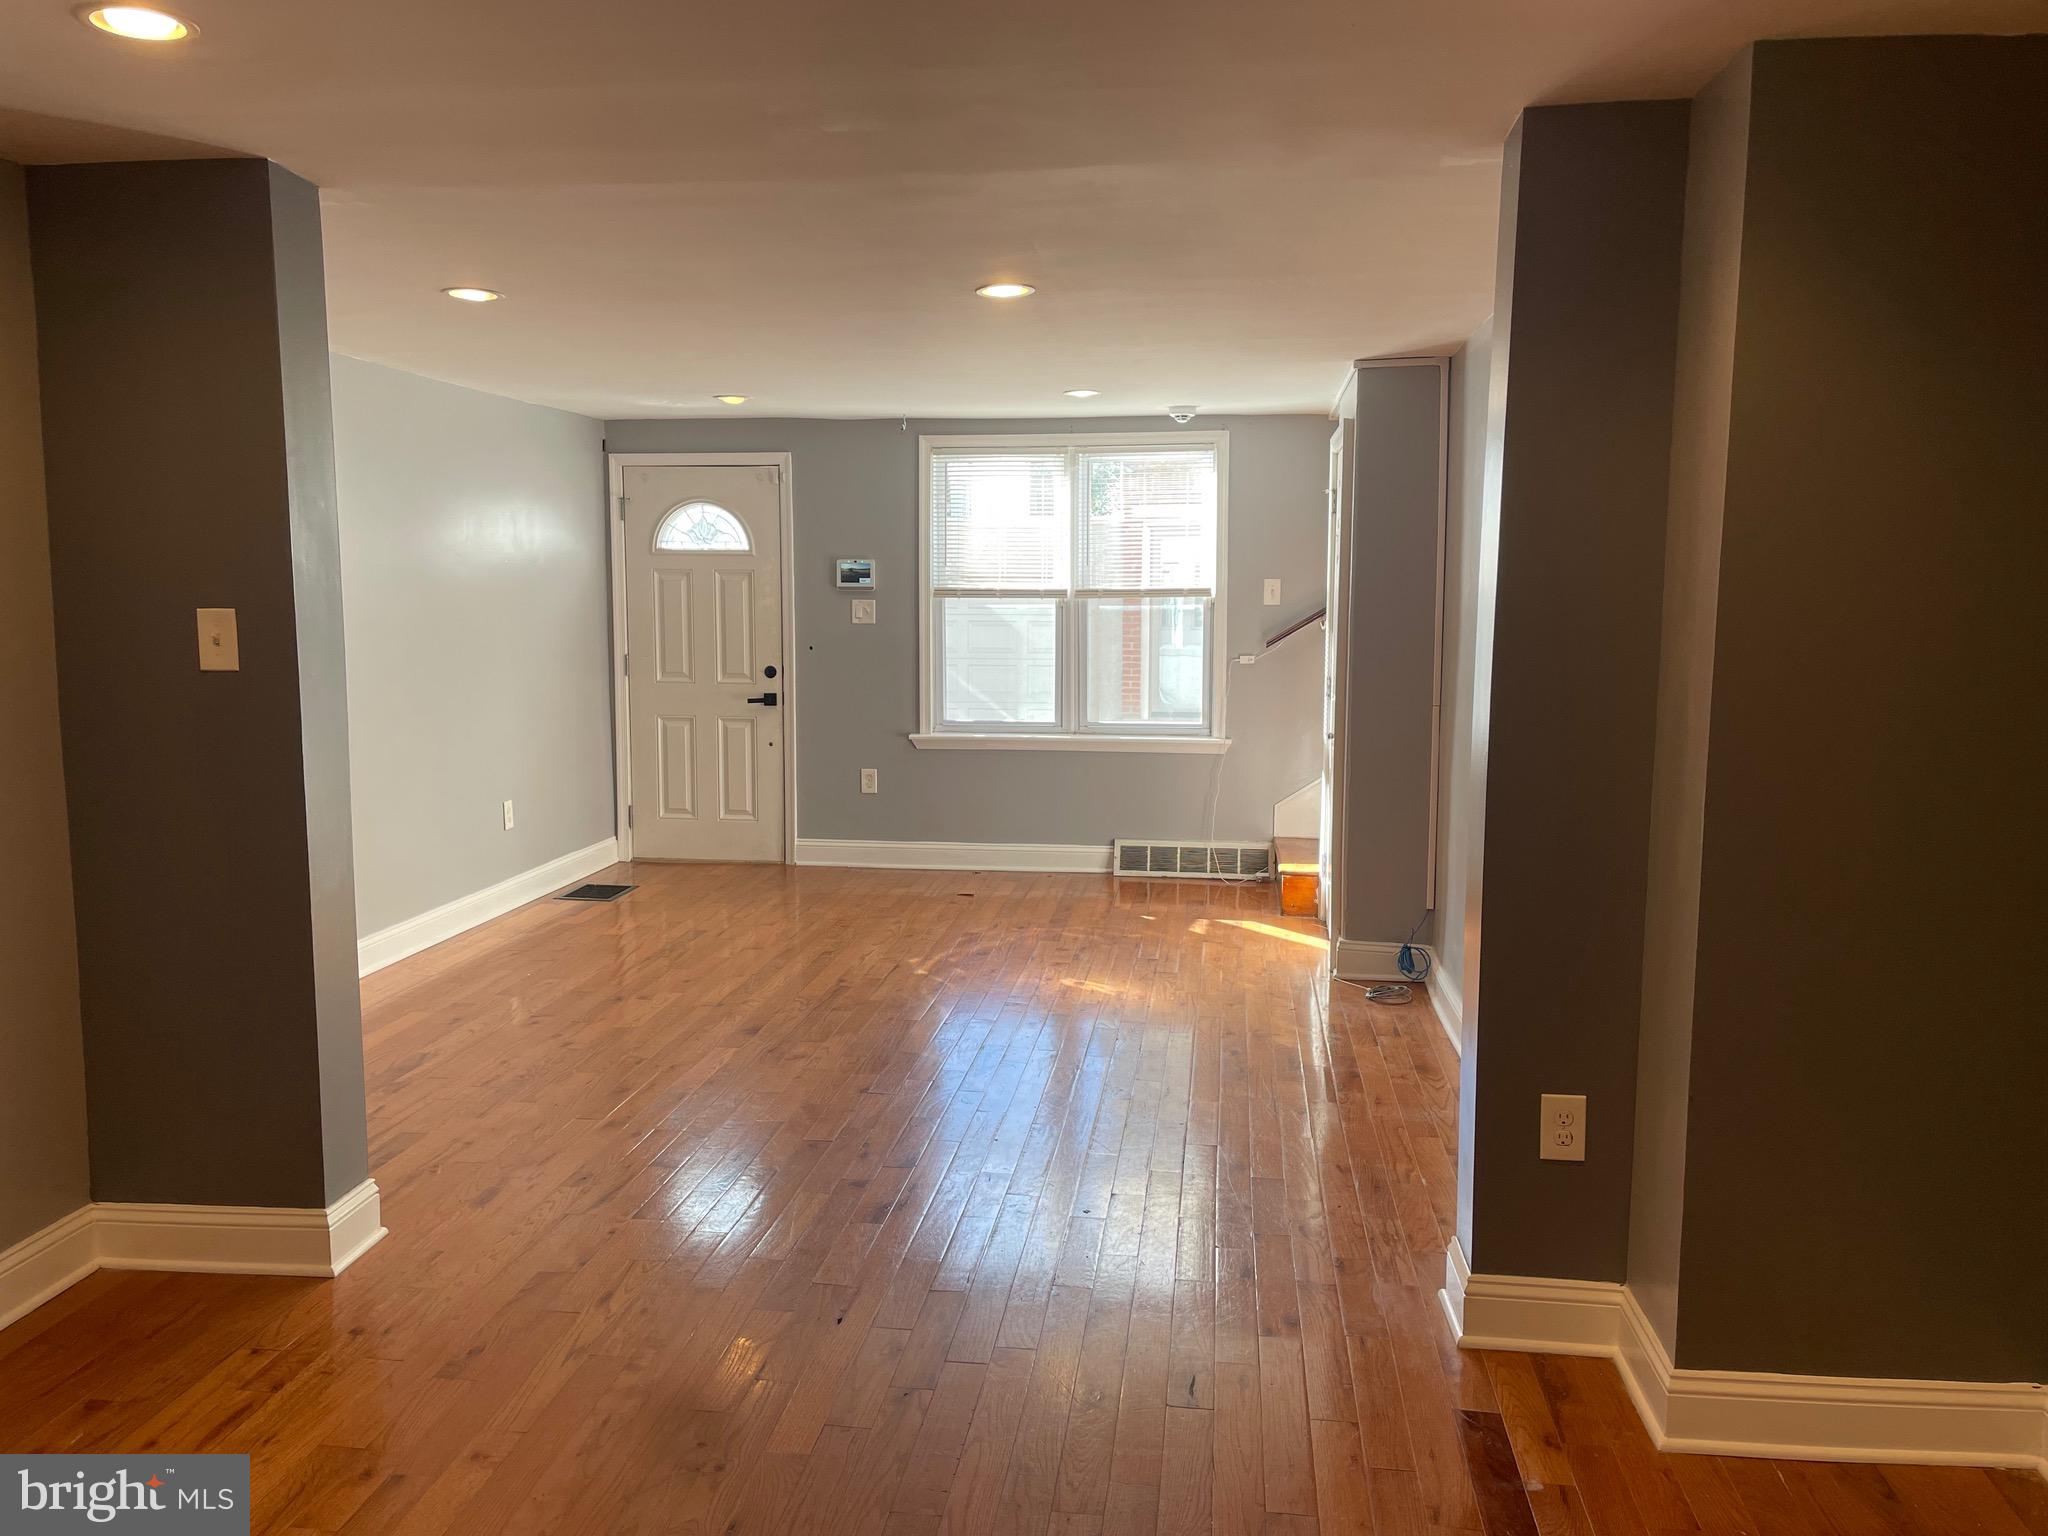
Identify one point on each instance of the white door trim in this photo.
(622, 727)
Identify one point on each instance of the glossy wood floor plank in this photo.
(892, 1204)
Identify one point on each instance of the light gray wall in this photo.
(42, 1055)
(473, 555)
(1383, 880)
(188, 466)
(1715, 168)
(856, 688)
(1872, 852)
(1459, 808)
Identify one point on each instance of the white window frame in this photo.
(1072, 732)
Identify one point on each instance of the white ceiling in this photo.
(1221, 203)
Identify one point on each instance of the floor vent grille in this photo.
(1136, 860)
(595, 892)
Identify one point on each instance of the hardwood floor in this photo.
(830, 1201)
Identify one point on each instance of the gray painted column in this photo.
(1584, 325)
(189, 457)
(1852, 850)
(1390, 545)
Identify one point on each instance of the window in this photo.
(1071, 591)
(700, 526)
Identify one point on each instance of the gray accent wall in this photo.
(474, 554)
(182, 341)
(1586, 322)
(43, 1172)
(856, 688)
(1866, 1177)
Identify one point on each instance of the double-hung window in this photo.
(1072, 591)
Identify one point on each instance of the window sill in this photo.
(964, 741)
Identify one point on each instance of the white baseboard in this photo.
(46, 1262)
(1749, 1413)
(389, 945)
(1450, 1004)
(1363, 960)
(1056, 858)
(198, 1239)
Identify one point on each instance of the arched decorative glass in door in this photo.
(701, 526)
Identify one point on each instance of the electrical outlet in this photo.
(871, 781)
(863, 610)
(508, 815)
(219, 649)
(1564, 1128)
(1272, 591)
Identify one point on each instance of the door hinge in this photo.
(629, 818)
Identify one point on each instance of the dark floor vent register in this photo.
(595, 893)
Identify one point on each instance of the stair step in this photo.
(1301, 876)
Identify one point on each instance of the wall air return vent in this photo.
(1140, 860)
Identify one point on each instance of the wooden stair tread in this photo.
(1296, 855)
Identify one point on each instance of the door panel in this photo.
(678, 766)
(703, 627)
(672, 651)
(735, 626)
(736, 769)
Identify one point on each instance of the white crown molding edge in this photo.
(319, 1241)
(1748, 1413)
(389, 945)
(1020, 858)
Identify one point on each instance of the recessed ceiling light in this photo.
(473, 295)
(1083, 394)
(730, 399)
(140, 22)
(1006, 290)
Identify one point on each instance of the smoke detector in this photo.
(1182, 413)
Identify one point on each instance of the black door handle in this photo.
(762, 698)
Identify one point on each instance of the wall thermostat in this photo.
(859, 575)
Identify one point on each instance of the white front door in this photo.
(704, 662)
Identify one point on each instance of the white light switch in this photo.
(1564, 1128)
(219, 649)
(870, 781)
(508, 815)
(863, 610)
(1272, 591)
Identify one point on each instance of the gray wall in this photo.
(1383, 878)
(1587, 333)
(1867, 1149)
(857, 687)
(474, 555)
(42, 1061)
(1715, 168)
(1456, 930)
(183, 384)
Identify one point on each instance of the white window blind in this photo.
(999, 521)
(1149, 523)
